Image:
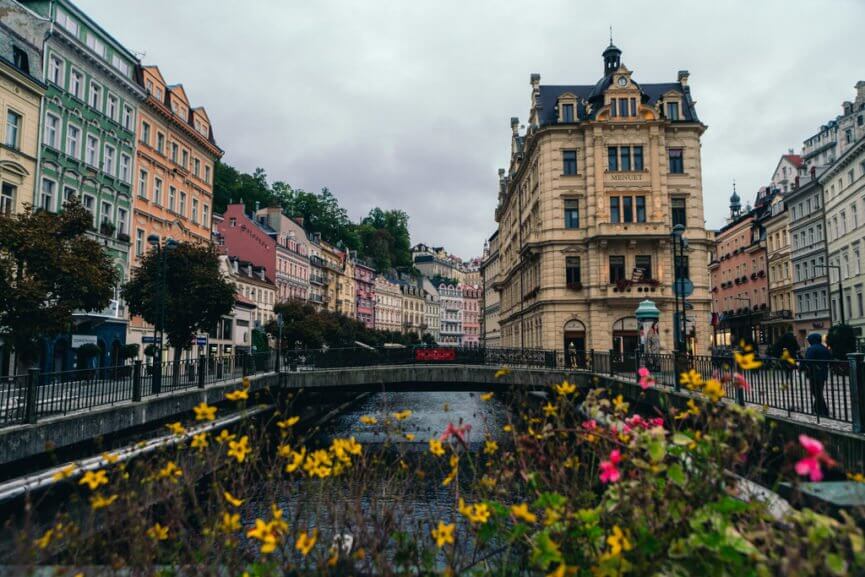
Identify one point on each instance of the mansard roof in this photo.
(548, 95)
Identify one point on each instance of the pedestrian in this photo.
(817, 358)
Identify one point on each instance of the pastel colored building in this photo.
(364, 276)
(413, 309)
(88, 150)
(175, 156)
(242, 236)
(472, 295)
(292, 258)
(388, 305)
(451, 311)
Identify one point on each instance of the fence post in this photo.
(201, 368)
(244, 365)
(136, 381)
(680, 365)
(857, 389)
(30, 402)
(592, 360)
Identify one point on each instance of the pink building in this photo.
(241, 236)
(471, 316)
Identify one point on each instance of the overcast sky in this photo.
(406, 103)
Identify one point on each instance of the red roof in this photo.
(794, 159)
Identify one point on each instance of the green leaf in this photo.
(545, 551)
(657, 450)
(676, 474)
(836, 564)
(681, 439)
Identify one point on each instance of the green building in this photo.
(88, 149)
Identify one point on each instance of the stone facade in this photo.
(586, 209)
(388, 305)
(782, 305)
(490, 331)
(21, 90)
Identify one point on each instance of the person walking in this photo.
(817, 358)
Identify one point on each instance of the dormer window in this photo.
(673, 110)
(567, 113)
(623, 107)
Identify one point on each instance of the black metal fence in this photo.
(27, 398)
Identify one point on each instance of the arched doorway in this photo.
(575, 343)
(626, 335)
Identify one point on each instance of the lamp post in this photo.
(159, 308)
(840, 290)
(750, 326)
(680, 242)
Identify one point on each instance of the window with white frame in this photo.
(139, 243)
(207, 174)
(96, 45)
(51, 131)
(13, 128)
(7, 198)
(121, 220)
(160, 143)
(55, 70)
(73, 141)
(66, 21)
(128, 117)
(125, 167)
(95, 98)
(89, 203)
(196, 167)
(142, 183)
(182, 203)
(68, 193)
(46, 197)
(112, 108)
(195, 210)
(107, 213)
(157, 191)
(204, 215)
(91, 151)
(76, 83)
(108, 159)
(172, 194)
(120, 65)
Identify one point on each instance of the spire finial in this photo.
(611, 35)
(734, 185)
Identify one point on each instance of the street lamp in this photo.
(680, 242)
(159, 308)
(840, 289)
(750, 326)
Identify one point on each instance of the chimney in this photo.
(860, 90)
(789, 151)
(683, 77)
(535, 81)
(515, 126)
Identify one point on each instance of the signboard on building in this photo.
(439, 354)
(78, 340)
(149, 340)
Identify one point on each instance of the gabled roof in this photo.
(794, 159)
(178, 90)
(203, 112)
(155, 70)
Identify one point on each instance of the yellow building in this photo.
(334, 274)
(21, 91)
(413, 309)
(346, 290)
(595, 186)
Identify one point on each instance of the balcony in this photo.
(317, 279)
(626, 229)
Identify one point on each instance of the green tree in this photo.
(232, 186)
(48, 269)
(842, 340)
(196, 293)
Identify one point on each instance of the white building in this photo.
(451, 315)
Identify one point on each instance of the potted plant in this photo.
(107, 228)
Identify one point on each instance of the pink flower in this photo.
(740, 381)
(810, 464)
(609, 470)
(590, 425)
(657, 422)
(458, 432)
(646, 378)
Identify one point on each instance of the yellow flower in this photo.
(786, 356)
(97, 501)
(297, 458)
(238, 395)
(714, 390)
(263, 532)
(158, 532)
(199, 441)
(65, 472)
(110, 458)
(478, 513)
(522, 513)
(490, 447)
(507, 428)
(436, 448)
(318, 464)
(566, 388)
(239, 449)
(277, 524)
(230, 522)
(692, 379)
(618, 542)
(232, 500)
(287, 423)
(94, 479)
(856, 477)
(409, 436)
(502, 372)
(305, 542)
(486, 396)
(693, 409)
(204, 412)
(620, 405)
(368, 420)
(45, 540)
(175, 428)
(551, 516)
(402, 415)
(444, 534)
(224, 436)
(488, 482)
(283, 450)
(170, 471)
(245, 383)
(558, 571)
(549, 409)
(747, 361)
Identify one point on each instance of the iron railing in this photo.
(27, 398)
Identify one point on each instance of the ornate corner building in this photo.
(586, 210)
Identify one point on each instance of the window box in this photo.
(122, 237)
(107, 228)
(753, 276)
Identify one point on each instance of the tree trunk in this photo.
(175, 368)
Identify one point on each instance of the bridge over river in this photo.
(40, 412)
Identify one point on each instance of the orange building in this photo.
(174, 171)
